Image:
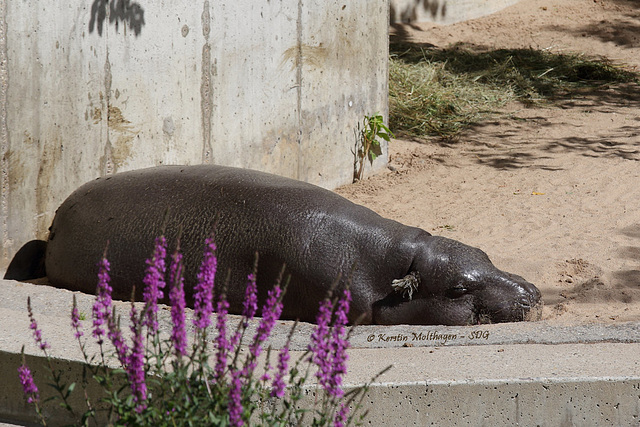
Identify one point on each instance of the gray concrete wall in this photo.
(93, 88)
(443, 11)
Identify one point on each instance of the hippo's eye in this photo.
(456, 292)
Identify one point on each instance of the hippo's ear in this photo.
(407, 285)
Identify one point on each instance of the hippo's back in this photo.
(251, 211)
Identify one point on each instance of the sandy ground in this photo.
(552, 193)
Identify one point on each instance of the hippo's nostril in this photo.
(536, 293)
(532, 294)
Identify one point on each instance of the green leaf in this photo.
(386, 129)
(384, 136)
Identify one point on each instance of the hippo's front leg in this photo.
(395, 309)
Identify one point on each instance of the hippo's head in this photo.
(458, 285)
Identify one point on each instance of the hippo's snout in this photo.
(531, 299)
(530, 305)
(513, 299)
(524, 304)
(529, 295)
(533, 292)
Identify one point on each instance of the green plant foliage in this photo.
(439, 92)
(373, 127)
(157, 383)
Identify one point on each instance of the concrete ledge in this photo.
(535, 402)
(527, 373)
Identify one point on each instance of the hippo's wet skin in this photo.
(316, 233)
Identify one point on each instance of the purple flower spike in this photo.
(102, 305)
(340, 344)
(115, 336)
(177, 301)
(37, 334)
(319, 345)
(203, 291)
(235, 399)
(223, 345)
(135, 368)
(270, 314)
(154, 284)
(329, 349)
(75, 319)
(266, 377)
(341, 416)
(28, 385)
(278, 382)
(250, 304)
